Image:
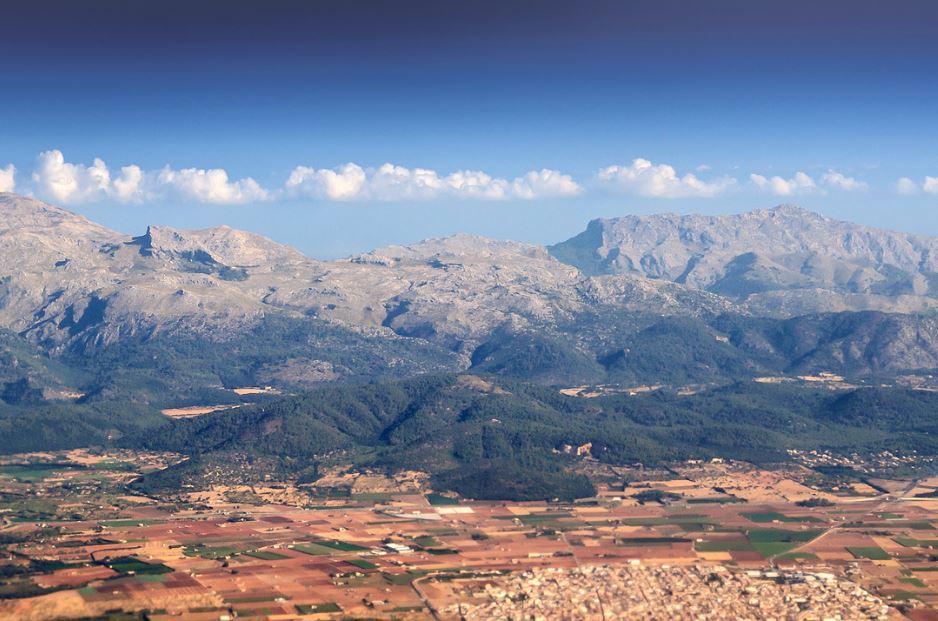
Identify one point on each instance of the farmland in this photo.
(78, 542)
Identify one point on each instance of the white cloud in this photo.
(838, 181)
(477, 184)
(660, 180)
(8, 178)
(211, 186)
(545, 182)
(343, 183)
(129, 186)
(70, 183)
(906, 186)
(74, 183)
(799, 184)
(390, 182)
(803, 183)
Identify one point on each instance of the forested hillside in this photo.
(467, 429)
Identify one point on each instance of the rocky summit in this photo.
(784, 260)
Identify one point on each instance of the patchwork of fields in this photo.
(76, 543)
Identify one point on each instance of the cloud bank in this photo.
(838, 181)
(77, 183)
(645, 178)
(908, 186)
(57, 179)
(803, 183)
(398, 183)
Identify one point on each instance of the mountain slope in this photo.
(496, 439)
(657, 298)
(783, 261)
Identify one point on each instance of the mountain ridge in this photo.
(450, 289)
(68, 284)
(749, 258)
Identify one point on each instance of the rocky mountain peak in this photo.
(21, 214)
(786, 258)
(790, 210)
(223, 245)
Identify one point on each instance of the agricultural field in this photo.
(78, 542)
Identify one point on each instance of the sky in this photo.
(338, 127)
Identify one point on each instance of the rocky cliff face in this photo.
(782, 261)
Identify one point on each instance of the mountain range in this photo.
(464, 357)
(634, 299)
(66, 279)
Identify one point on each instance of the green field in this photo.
(210, 553)
(313, 549)
(727, 545)
(311, 609)
(892, 524)
(266, 555)
(128, 564)
(777, 534)
(909, 542)
(372, 497)
(916, 582)
(772, 548)
(361, 563)
(405, 578)
(874, 553)
(438, 500)
(767, 541)
(32, 473)
(341, 546)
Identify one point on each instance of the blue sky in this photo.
(514, 120)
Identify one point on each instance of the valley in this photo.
(209, 425)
